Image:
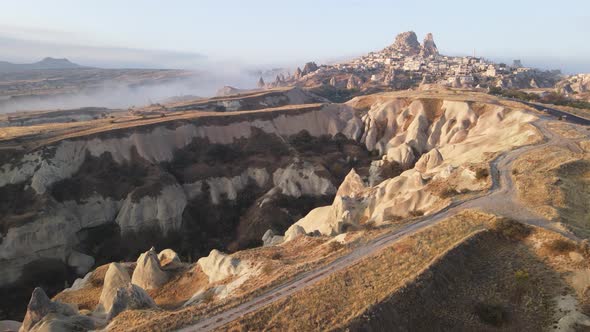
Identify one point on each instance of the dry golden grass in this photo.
(86, 298)
(179, 289)
(333, 303)
(565, 130)
(555, 182)
(336, 300)
(277, 264)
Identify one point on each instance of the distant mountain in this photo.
(47, 63)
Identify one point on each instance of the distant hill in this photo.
(47, 63)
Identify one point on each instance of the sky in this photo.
(179, 33)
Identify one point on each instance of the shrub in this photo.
(448, 192)
(267, 269)
(276, 255)
(560, 246)
(491, 314)
(335, 246)
(370, 225)
(482, 173)
(510, 229)
(416, 213)
(521, 276)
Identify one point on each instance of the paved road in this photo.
(572, 118)
(500, 200)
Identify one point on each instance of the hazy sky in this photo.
(286, 32)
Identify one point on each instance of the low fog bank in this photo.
(120, 95)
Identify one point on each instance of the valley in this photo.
(402, 190)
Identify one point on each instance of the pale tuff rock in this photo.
(568, 315)
(115, 278)
(130, 297)
(579, 83)
(40, 306)
(309, 67)
(53, 234)
(333, 81)
(218, 266)
(148, 273)
(429, 161)
(429, 47)
(163, 212)
(80, 283)
(407, 43)
(168, 256)
(9, 325)
(203, 294)
(48, 235)
(460, 135)
(298, 73)
(159, 144)
(330, 220)
(58, 322)
(352, 185)
(353, 82)
(80, 262)
(301, 179)
(261, 83)
(293, 232)
(228, 187)
(402, 154)
(227, 91)
(270, 239)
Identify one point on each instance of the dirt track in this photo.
(500, 200)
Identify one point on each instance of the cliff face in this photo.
(222, 182)
(184, 184)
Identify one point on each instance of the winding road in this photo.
(500, 200)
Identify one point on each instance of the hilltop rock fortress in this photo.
(407, 43)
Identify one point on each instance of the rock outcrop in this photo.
(429, 47)
(80, 262)
(261, 84)
(429, 161)
(270, 238)
(168, 256)
(148, 274)
(163, 202)
(353, 83)
(333, 82)
(162, 211)
(130, 297)
(40, 306)
(293, 232)
(218, 266)
(407, 43)
(300, 179)
(309, 68)
(352, 185)
(116, 277)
